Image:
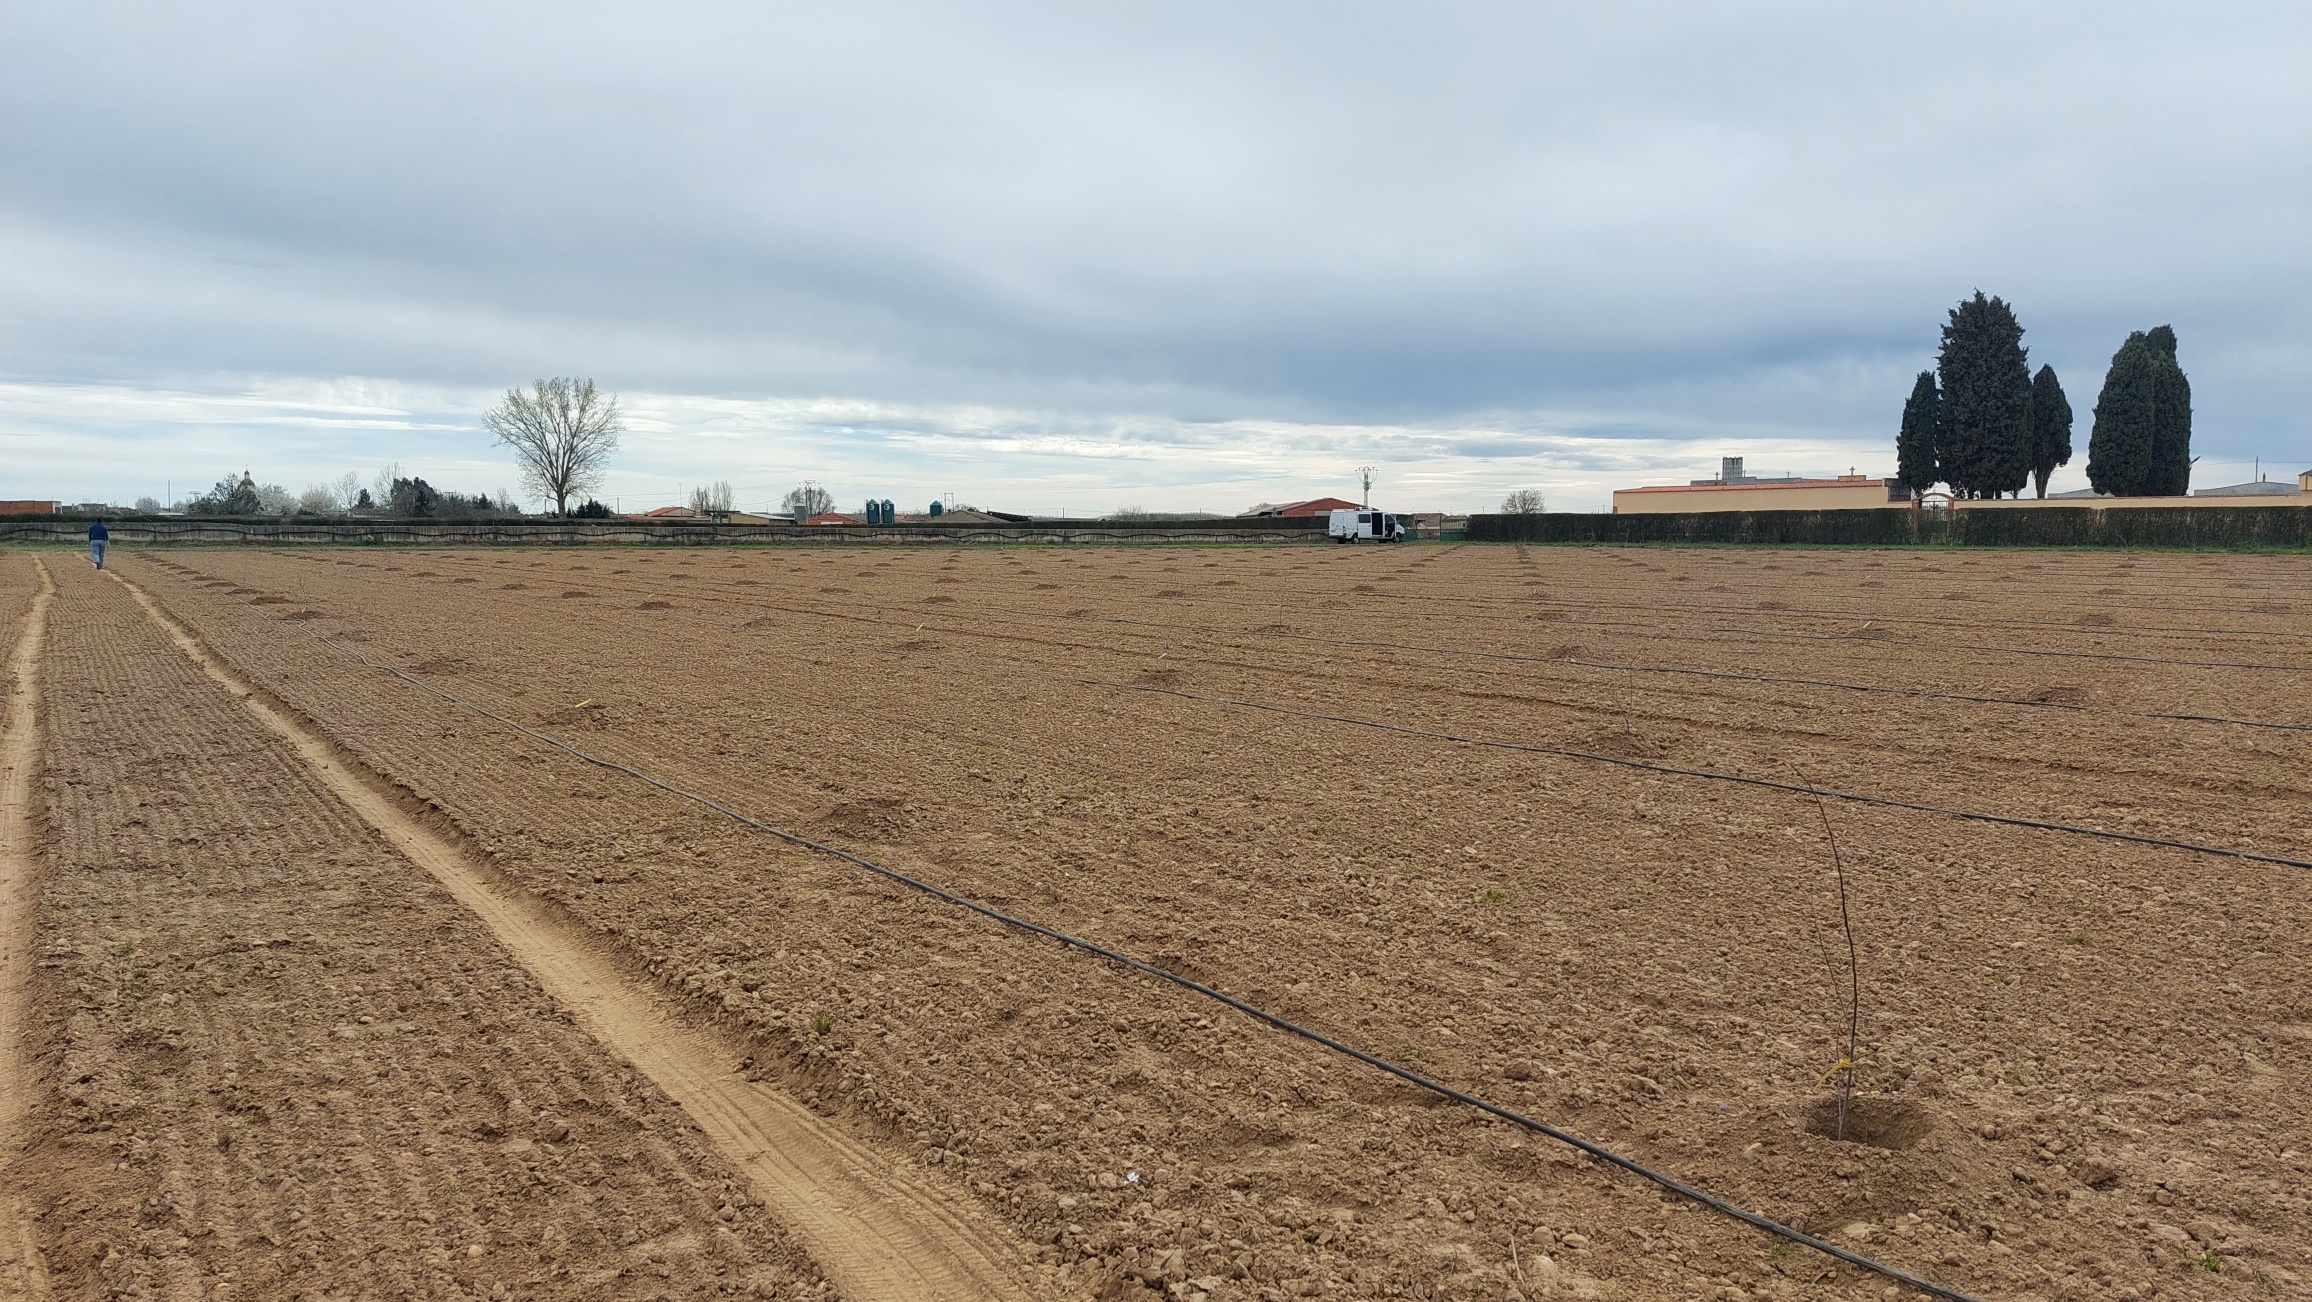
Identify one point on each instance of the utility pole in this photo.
(1367, 473)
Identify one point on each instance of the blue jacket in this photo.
(97, 532)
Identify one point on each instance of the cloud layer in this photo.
(1055, 255)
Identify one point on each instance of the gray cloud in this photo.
(1671, 224)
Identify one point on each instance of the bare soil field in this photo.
(2083, 1058)
(275, 1063)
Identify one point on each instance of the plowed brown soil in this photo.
(873, 1236)
(2081, 1057)
(282, 1064)
(25, 594)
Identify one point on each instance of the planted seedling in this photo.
(1842, 1071)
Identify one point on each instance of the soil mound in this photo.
(1894, 1124)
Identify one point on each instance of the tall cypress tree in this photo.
(1915, 443)
(2119, 445)
(2171, 429)
(1985, 448)
(2050, 427)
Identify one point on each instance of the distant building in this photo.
(1735, 491)
(1730, 472)
(960, 515)
(2260, 488)
(665, 513)
(1294, 510)
(27, 508)
(831, 517)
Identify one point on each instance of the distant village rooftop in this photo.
(1736, 490)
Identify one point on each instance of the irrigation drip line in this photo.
(1768, 634)
(1840, 637)
(1673, 770)
(1479, 653)
(1930, 621)
(2032, 651)
(1921, 692)
(1441, 1089)
(1730, 675)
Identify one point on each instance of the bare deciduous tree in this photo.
(272, 499)
(562, 433)
(806, 500)
(1524, 501)
(713, 499)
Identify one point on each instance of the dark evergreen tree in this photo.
(2171, 428)
(230, 497)
(1915, 444)
(1985, 447)
(2119, 444)
(2050, 427)
(413, 497)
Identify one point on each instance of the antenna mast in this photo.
(1367, 473)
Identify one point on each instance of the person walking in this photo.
(98, 536)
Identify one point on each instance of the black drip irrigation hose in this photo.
(1919, 692)
(1254, 1011)
(1673, 770)
(1479, 653)
(1913, 692)
(2036, 651)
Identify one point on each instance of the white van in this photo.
(1348, 526)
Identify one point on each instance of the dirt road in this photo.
(25, 595)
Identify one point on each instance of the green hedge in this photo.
(2141, 526)
(2047, 526)
(1891, 526)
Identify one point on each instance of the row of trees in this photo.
(1984, 424)
(390, 493)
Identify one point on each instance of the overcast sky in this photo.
(1177, 256)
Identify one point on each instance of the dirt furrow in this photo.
(276, 1062)
(876, 1233)
(23, 1270)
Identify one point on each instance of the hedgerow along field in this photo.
(1480, 810)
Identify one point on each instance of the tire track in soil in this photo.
(22, 1271)
(877, 1235)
